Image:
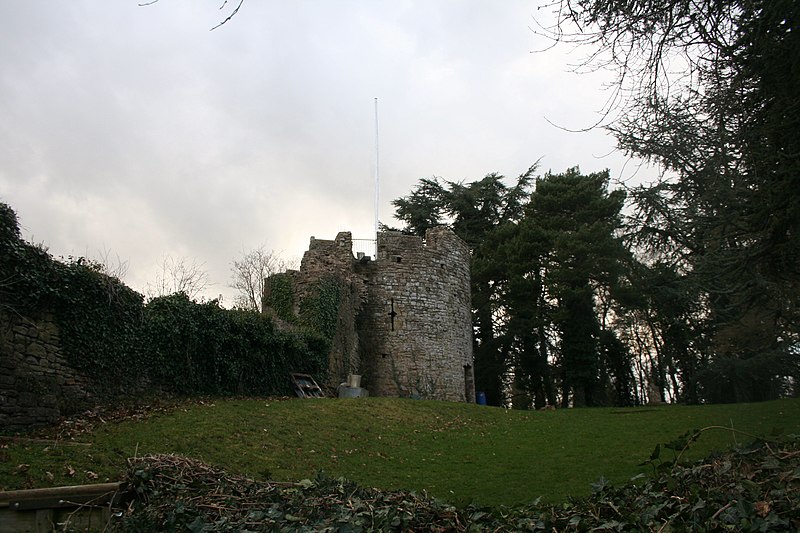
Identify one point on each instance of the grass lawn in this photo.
(458, 452)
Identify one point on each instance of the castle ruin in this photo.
(403, 319)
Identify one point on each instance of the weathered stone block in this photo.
(37, 350)
(21, 330)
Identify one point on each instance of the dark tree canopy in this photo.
(692, 294)
(539, 260)
(707, 90)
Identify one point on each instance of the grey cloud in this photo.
(136, 129)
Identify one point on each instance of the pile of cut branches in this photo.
(177, 493)
(752, 489)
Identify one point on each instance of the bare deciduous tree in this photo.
(115, 267)
(249, 272)
(178, 275)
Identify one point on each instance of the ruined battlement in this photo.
(404, 318)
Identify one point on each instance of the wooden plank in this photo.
(44, 520)
(74, 493)
(13, 521)
(81, 507)
(49, 520)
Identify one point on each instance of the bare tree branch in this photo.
(229, 17)
(249, 272)
(114, 267)
(224, 3)
(178, 276)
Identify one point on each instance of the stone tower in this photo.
(415, 330)
(404, 319)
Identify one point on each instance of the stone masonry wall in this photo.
(37, 385)
(416, 328)
(404, 319)
(333, 259)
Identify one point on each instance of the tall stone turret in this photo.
(415, 330)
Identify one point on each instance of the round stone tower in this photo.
(415, 329)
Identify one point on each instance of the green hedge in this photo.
(202, 348)
(171, 344)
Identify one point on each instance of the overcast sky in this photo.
(135, 132)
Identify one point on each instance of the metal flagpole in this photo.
(377, 171)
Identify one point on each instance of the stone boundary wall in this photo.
(37, 385)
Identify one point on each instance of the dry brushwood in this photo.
(752, 489)
(178, 492)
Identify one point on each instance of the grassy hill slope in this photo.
(457, 452)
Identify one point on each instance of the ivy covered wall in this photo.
(71, 335)
(323, 297)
